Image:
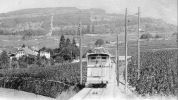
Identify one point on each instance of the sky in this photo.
(163, 9)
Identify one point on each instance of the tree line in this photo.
(66, 52)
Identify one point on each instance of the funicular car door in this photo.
(105, 67)
(97, 70)
(93, 66)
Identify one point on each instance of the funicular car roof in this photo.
(99, 51)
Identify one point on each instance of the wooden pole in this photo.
(80, 33)
(117, 59)
(177, 57)
(138, 43)
(126, 50)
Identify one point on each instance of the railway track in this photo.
(98, 93)
(94, 93)
(91, 94)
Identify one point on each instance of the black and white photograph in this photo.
(88, 50)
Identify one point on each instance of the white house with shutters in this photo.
(25, 51)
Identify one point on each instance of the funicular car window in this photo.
(92, 59)
(104, 59)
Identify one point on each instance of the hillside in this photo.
(65, 20)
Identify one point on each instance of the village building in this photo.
(28, 51)
(25, 51)
(20, 53)
(45, 53)
(0, 51)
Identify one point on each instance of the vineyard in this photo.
(48, 81)
(158, 72)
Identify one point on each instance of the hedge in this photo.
(48, 81)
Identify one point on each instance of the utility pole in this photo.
(126, 50)
(80, 33)
(177, 56)
(138, 43)
(177, 61)
(117, 59)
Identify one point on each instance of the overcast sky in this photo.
(164, 9)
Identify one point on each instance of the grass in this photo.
(7, 42)
(66, 95)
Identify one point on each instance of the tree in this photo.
(14, 63)
(23, 46)
(158, 36)
(42, 61)
(58, 59)
(23, 62)
(4, 60)
(62, 41)
(68, 43)
(174, 34)
(75, 50)
(28, 34)
(93, 28)
(73, 42)
(88, 28)
(30, 59)
(67, 54)
(146, 36)
(51, 61)
(99, 42)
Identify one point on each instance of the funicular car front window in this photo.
(92, 59)
(104, 59)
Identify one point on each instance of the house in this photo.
(77, 44)
(30, 51)
(34, 48)
(122, 58)
(0, 51)
(25, 51)
(45, 54)
(19, 53)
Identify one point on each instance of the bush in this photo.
(146, 36)
(174, 34)
(158, 36)
(68, 72)
(4, 60)
(99, 42)
(43, 80)
(37, 86)
(158, 72)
